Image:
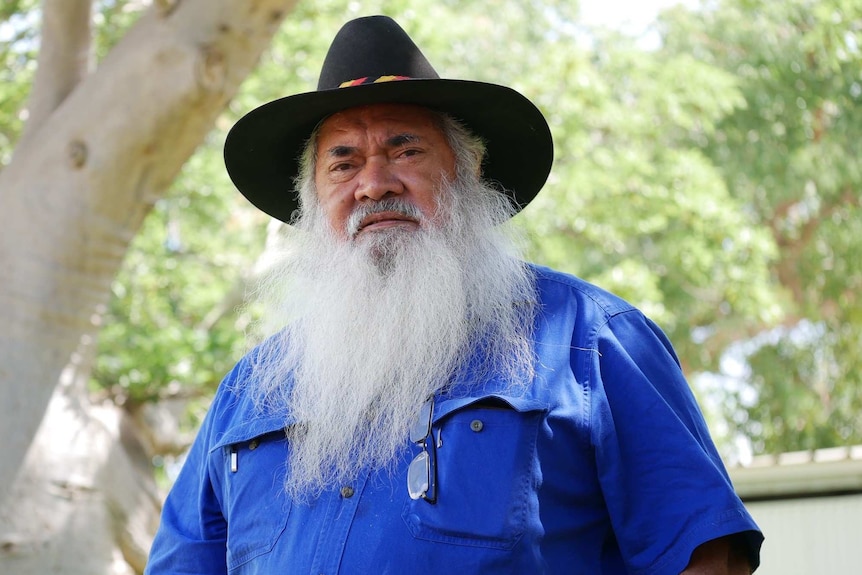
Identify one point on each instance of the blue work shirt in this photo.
(604, 465)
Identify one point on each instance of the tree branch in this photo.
(793, 244)
(64, 57)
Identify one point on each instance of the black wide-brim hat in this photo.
(372, 60)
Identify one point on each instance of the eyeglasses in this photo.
(422, 473)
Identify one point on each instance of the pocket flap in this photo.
(249, 430)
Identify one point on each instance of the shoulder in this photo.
(573, 303)
(592, 318)
(573, 314)
(555, 286)
(236, 412)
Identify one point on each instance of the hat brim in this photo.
(262, 149)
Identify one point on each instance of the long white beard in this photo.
(377, 325)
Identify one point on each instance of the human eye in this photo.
(340, 167)
(339, 171)
(406, 145)
(340, 158)
(409, 152)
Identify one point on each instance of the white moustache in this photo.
(391, 205)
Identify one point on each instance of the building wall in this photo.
(810, 536)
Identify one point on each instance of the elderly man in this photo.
(429, 403)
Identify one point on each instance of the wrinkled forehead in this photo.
(382, 118)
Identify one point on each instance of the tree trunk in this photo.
(85, 500)
(79, 185)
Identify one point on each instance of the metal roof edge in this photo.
(821, 472)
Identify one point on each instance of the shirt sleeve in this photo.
(192, 535)
(665, 486)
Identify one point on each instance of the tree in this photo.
(100, 145)
(791, 156)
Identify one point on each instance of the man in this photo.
(430, 403)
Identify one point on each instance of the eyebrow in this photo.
(402, 139)
(340, 151)
(395, 141)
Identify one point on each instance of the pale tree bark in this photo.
(85, 500)
(64, 57)
(101, 149)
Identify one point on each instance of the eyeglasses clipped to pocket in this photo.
(422, 473)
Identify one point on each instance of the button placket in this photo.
(338, 518)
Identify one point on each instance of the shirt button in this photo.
(347, 491)
(253, 444)
(476, 425)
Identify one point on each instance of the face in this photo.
(372, 153)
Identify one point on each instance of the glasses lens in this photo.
(419, 476)
(422, 426)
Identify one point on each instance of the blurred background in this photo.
(707, 168)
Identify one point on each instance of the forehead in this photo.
(384, 119)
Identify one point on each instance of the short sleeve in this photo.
(666, 488)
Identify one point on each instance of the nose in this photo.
(378, 180)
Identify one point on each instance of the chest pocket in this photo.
(254, 502)
(486, 474)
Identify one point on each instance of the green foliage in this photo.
(636, 208)
(17, 65)
(817, 408)
(791, 157)
(14, 8)
(175, 323)
(112, 18)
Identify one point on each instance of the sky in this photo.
(633, 17)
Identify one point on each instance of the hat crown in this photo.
(372, 47)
